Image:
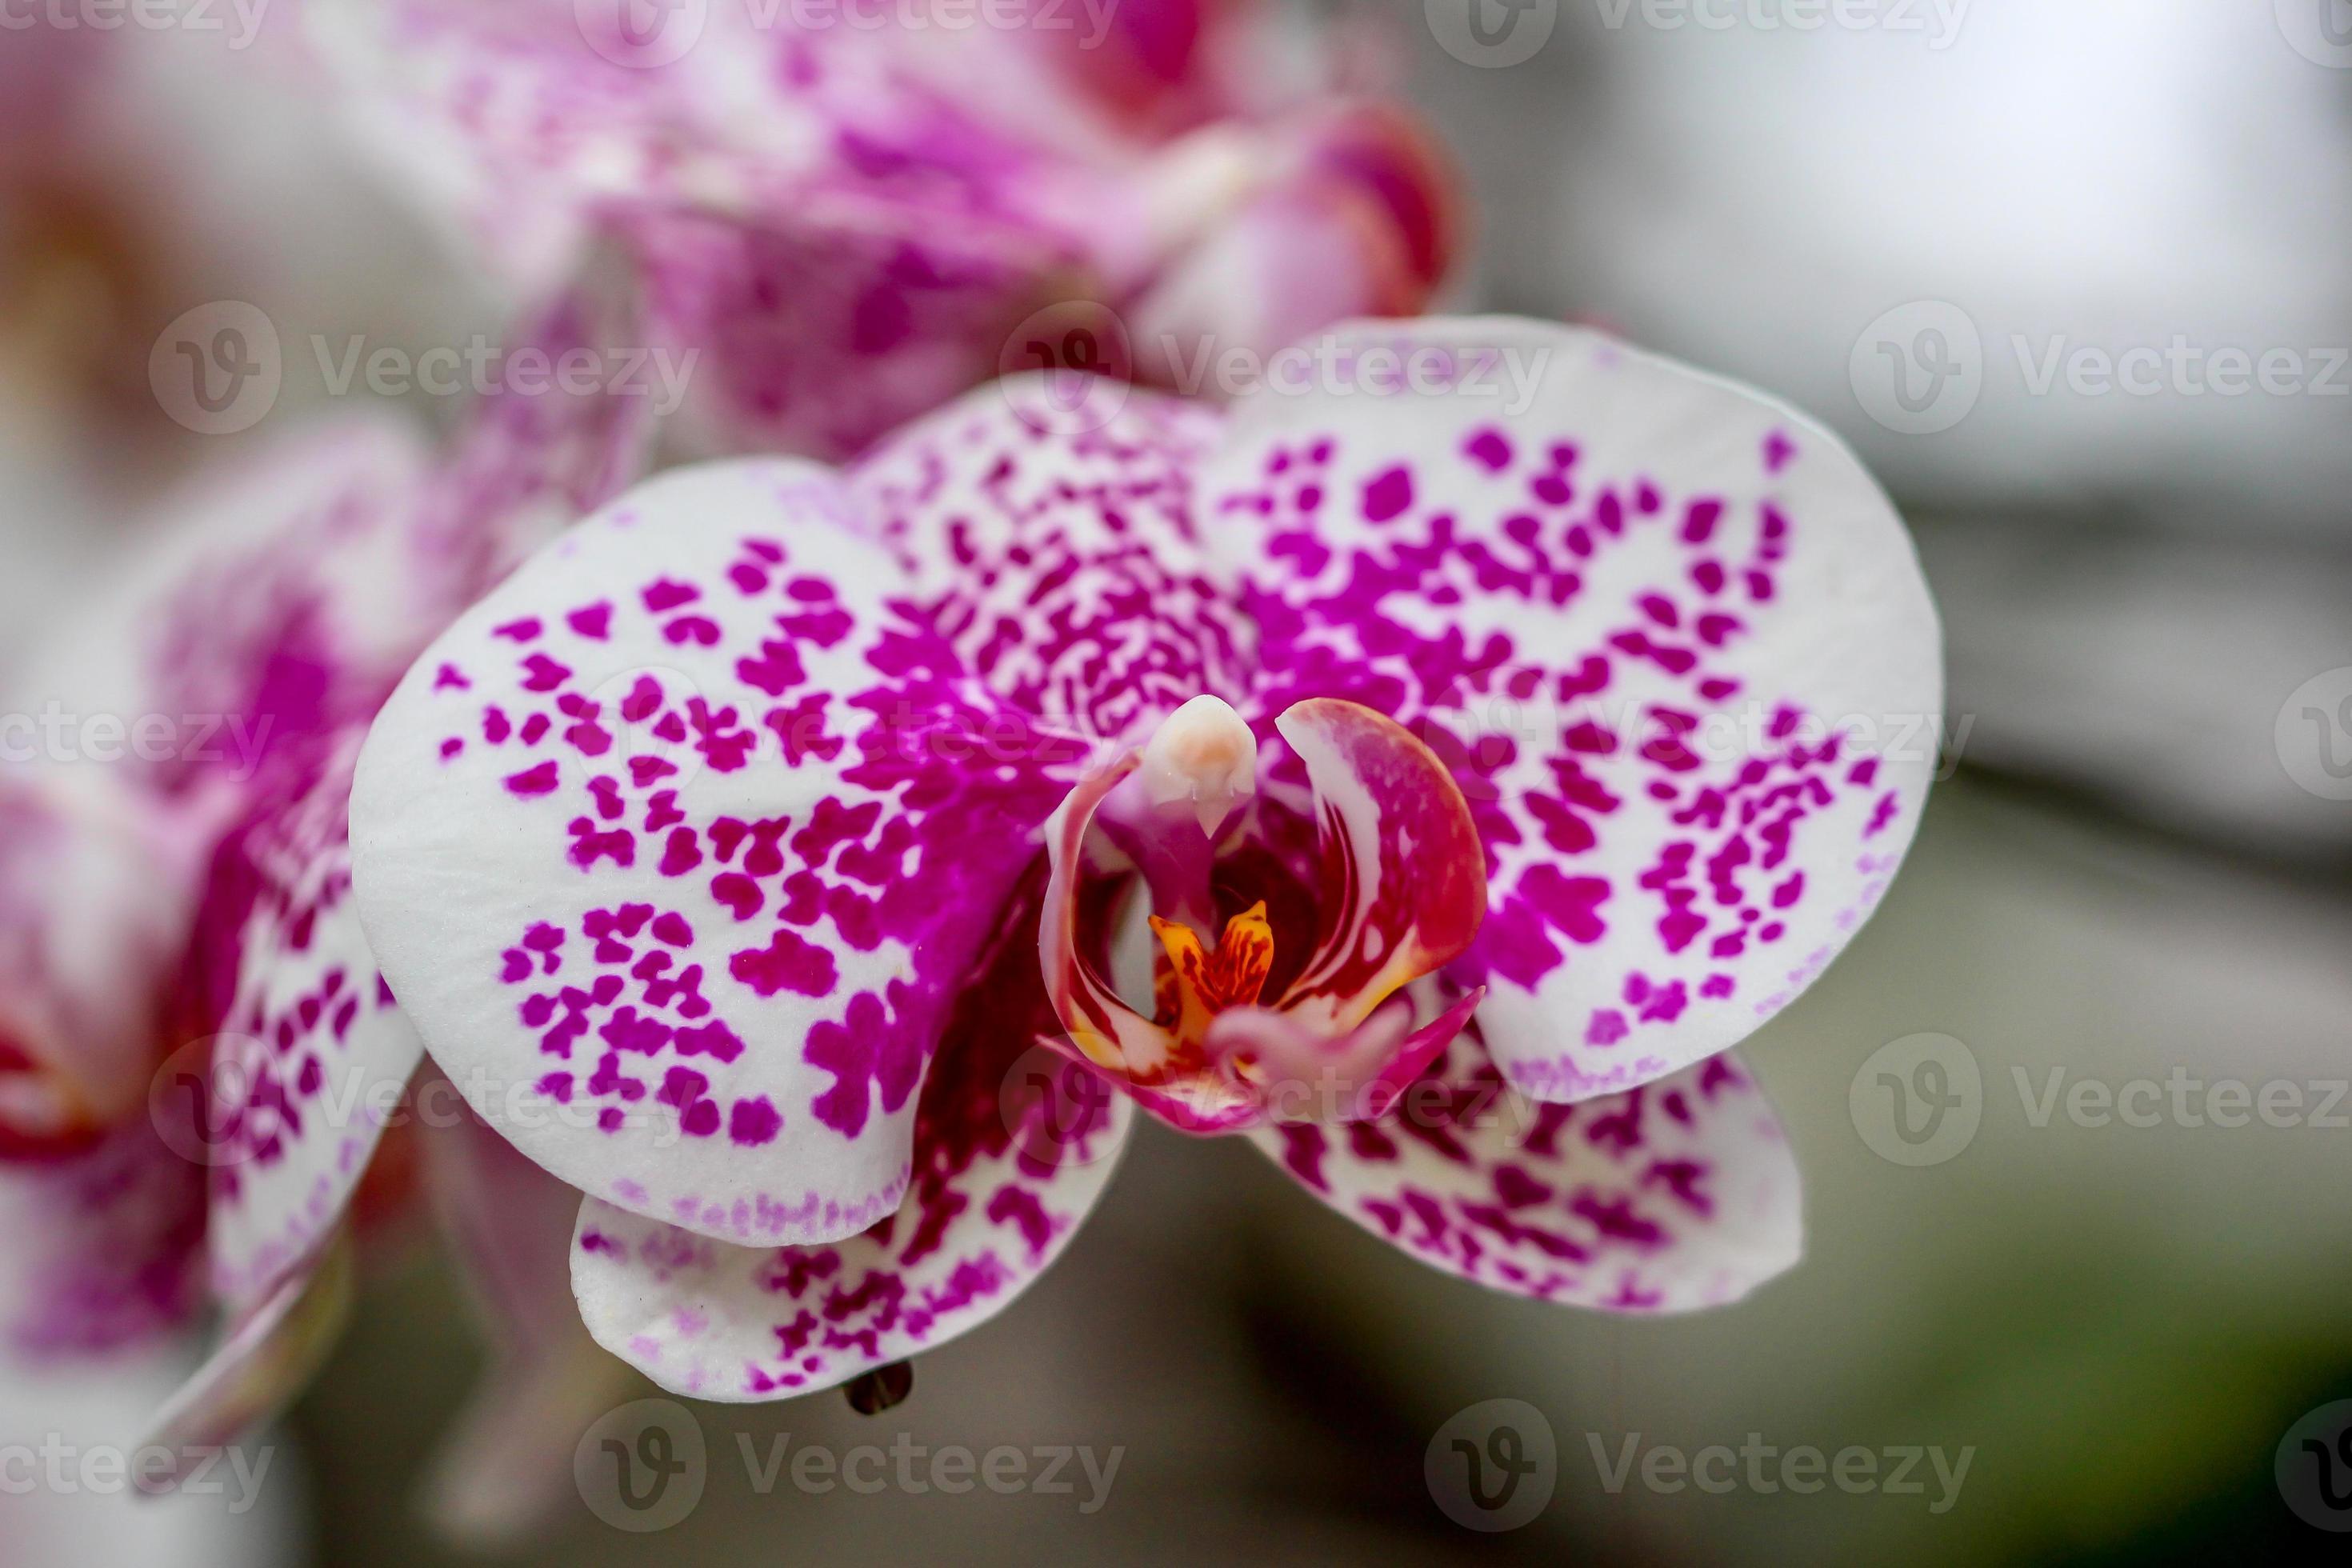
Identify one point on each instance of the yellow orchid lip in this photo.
(1198, 982)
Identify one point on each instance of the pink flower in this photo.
(815, 867)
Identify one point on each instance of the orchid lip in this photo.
(1275, 963)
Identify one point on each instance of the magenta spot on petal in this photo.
(739, 893)
(1571, 905)
(788, 962)
(1490, 448)
(539, 780)
(754, 1120)
(1387, 494)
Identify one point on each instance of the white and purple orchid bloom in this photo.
(196, 1052)
(849, 219)
(815, 868)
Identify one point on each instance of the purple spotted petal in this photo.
(1679, 1194)
(1669, 636)
(677, 846)
(310, 1054)
(1061, 553)
(1013, 1147)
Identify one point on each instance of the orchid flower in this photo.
(816, 868)
(851, 223)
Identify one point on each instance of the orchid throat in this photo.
(1281, 927)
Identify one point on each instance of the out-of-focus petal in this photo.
(1670, 638)
(820, 334)
(1358, 216)
(533, 457)
(530, 132)
(93, 889)
(308, 1054)
(103, 1246)
(1150, 64)
(849, 215)
(508, 1465)
(263, 1360)
(1013, 1146)
(279, 600)
(677, 849)
(1679, 1194)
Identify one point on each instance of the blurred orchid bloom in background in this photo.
(853, 218)
(813, 867)
(176, 956)
(145, 169)
(87, 244)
